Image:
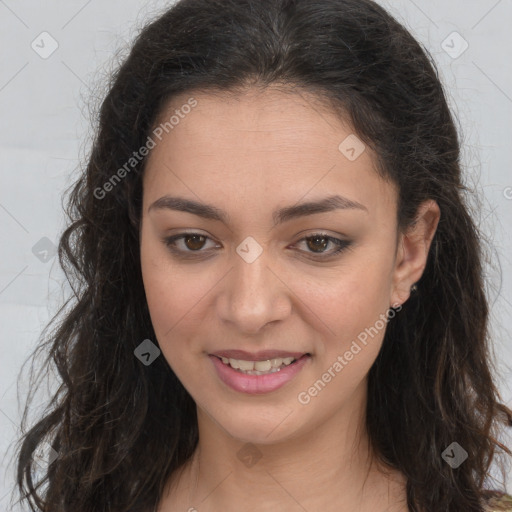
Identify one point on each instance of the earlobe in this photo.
(413, 248)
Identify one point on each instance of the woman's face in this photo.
(262, 173)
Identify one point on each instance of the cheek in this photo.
(169, 294)
(348, 299)
(355, 311)
(178, 298)
(172, 292)
(171, 308)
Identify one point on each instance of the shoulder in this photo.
(501, 503)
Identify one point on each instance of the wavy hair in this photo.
(121, 429)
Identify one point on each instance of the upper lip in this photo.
(263, 355)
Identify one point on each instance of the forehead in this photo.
(269, 146)
(269, 119)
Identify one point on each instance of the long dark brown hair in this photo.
(121, 428)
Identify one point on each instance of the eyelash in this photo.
(170, 243)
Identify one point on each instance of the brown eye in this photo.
(194, 242)
(188, 244)
(192, 245)
(318, 242)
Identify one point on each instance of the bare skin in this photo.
(250, 156)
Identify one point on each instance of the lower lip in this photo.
(257, 384)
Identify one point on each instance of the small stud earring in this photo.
(414, 288)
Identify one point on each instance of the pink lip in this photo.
(263, 355)
(257, 384)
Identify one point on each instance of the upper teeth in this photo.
(261, 366)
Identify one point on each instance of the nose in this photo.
(253, 295)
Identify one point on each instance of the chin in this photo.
(249, 428)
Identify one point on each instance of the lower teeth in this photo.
(256, 372)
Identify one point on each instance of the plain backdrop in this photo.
(55, 57)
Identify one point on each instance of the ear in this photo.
(412, 251)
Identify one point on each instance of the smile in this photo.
(258, 376)
(258, 367)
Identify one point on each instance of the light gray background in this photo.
(44, 132)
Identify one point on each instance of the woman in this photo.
(280, 301)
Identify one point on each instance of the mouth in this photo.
(258, 376)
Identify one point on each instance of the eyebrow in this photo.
(280, 216)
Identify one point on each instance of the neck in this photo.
(329, 468)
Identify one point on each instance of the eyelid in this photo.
(342, 245)
(169, 243)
